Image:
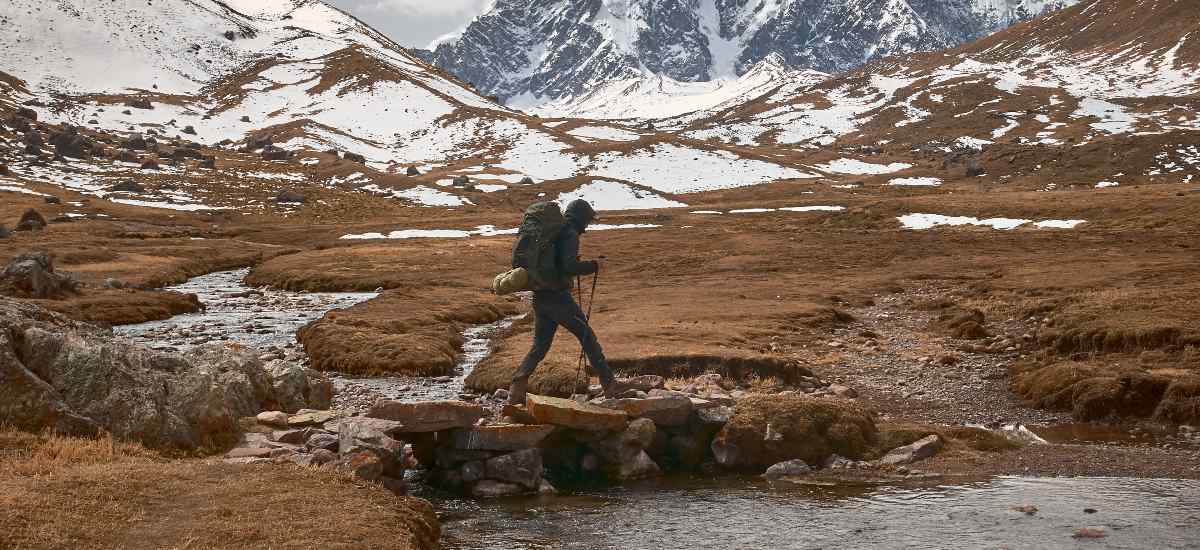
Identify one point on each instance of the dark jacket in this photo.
(566, 257)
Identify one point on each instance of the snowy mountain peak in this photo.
(538, 52)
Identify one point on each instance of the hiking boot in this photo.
(617, 390)
(517, 391)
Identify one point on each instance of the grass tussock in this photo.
(58, 492)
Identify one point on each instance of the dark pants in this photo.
(554, 308)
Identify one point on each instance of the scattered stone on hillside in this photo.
(150, 164)
(135, 142)
(290, 197)
(256, 143)
(788, 468)
(4, 232)
(140, 103)
(667, 411)
(272, 152)
(34, 137)
(4, 171)
(334, 153)
(245, 118)
(209, 163)
(913, 452)
(354, 157)
(27, 113)
(974, 169)
(189, 130)
(69, 143)
(767, 429)
(522, 467)
(273, 418)
(127, 186)
(574, 415)
(33, 150)
(501, 437)
(51, 199)
(412, 171)
(428, 416)
(125, 155)
(31, 220)
(462, 180)
(526, 180)
(33, 275)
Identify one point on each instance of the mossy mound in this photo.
(767, 429)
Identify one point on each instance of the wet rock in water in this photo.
(488, 488)
(428, 416)
(31, 220)
(287, 196)
(297, 387)
(788, 468)
(641, 466)
(523, 468)
(1027, 509)
(412, 171)
(670, 410)
(273, 418)
(546, 488)
(354, 157)
(624, 454)
(574, 415)
(325, 441)
(504, 437)
(913, 452)
(768, 429)
(33, 275)
(1089, 533)
(128, 186)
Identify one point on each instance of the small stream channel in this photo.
(722, 512)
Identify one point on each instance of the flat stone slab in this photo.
(667, 410)
(249, 452)
(575, 415)
(310, 418)
(913, 452)
(428, 416)
(506, 437)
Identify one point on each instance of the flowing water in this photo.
(727, 512)
(749, 513)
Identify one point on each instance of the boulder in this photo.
(523, 468)
(640, 466)
(127, 186)
(503, 437)
(768, 429)
(412, 171)
(428, 416)
(209, 163)
(31, 220)
(4, 232)
(461, 180)
(526, 180)
(4, 171)
(189, 130)
(574, 415)
(297, 436)
(667, 411)
(288, 196)
(135, 143)
(324, 441)
(74, 377)
(472, 471)
(622, 446)
(363, 464)
(273, 418)
(358, 432)
(150, 164)
(69, 143)
(354, 157)
(140, 103)
(271, 152)
(913, 452)
(298, 387)
(488, 488)
(788, 468)
(33, 275)
(51, 199)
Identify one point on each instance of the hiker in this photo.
(553, 305)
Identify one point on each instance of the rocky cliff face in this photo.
(543, 50)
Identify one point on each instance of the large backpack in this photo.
(533, 261)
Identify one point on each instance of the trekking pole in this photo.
(587, 321)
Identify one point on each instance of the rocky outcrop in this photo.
(31, 220)
(77, 378)
(33, 275)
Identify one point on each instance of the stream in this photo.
(705, 512)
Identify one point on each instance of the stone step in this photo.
(575, 415)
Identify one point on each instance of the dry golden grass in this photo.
(81, 493)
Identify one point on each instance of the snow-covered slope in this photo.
(578, 54)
